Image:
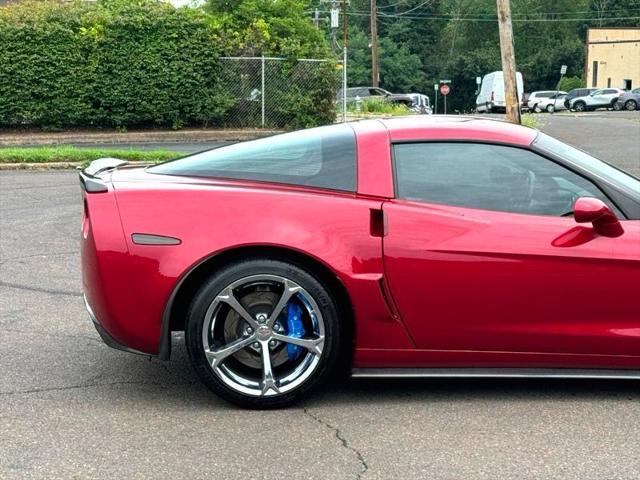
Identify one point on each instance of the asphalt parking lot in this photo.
(70, 407)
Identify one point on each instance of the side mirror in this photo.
(605, 222)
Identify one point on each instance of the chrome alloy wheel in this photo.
(245, 335)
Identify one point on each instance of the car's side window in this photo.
(488, 177)
(323, 157)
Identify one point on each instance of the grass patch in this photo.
(380, 106)
(529, 120)
(67, 153)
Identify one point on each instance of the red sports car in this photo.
(446, 246)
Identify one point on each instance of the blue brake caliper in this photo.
(295, 328)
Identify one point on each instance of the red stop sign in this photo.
(444, 89)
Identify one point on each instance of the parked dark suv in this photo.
(577, 92)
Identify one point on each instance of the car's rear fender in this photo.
(212, 219)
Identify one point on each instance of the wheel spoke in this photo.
(314, 345)
(230, 299)
(268, 382)
(290, 289)
(216, 357)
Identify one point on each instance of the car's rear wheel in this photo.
(630, 105)
(616, 106)
(550, 109)
(536, 108)
(263, 333)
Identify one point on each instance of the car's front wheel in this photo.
(579, 106)
(263, 333)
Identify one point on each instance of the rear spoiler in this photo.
(89, 176)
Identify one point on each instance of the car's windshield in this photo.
(623, 180)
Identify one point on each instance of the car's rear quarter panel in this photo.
(210, 218)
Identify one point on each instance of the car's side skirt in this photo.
(586, 373)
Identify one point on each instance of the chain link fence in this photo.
(271, 92)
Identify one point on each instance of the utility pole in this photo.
(374, 44)
(345, 24)
(508, 62)
(345, 39)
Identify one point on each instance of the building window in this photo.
(594, 73)
(628, 84)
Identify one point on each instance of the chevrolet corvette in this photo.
(407, 247)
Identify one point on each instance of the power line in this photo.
(401, 2)
(412, 9)
(418, 16)
(577, 12)
(464, 19)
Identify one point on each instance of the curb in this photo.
(114, 138)
(40, 166)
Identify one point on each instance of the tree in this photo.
(269, 27)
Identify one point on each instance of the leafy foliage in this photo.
(458, 40)
(281, 27)
(569, 83)
(380, 105)
(141, 63)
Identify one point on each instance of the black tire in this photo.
(323, 297)
(550, 108)
(616, 106)
(580, 106)
(536, 108)
(630, 105)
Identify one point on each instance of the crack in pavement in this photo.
(56, 334)
(363, 464)
(43, 255)
(50, 291)
(91, 385)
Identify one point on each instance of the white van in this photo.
(491, 97)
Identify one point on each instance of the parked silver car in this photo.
(603, 98)
(551, 103)
(533, 102)
(629, 100)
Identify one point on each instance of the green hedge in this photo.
(117, 64)
(569, 83)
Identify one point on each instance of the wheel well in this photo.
(194, 280)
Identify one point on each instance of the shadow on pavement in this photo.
(180, 382)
